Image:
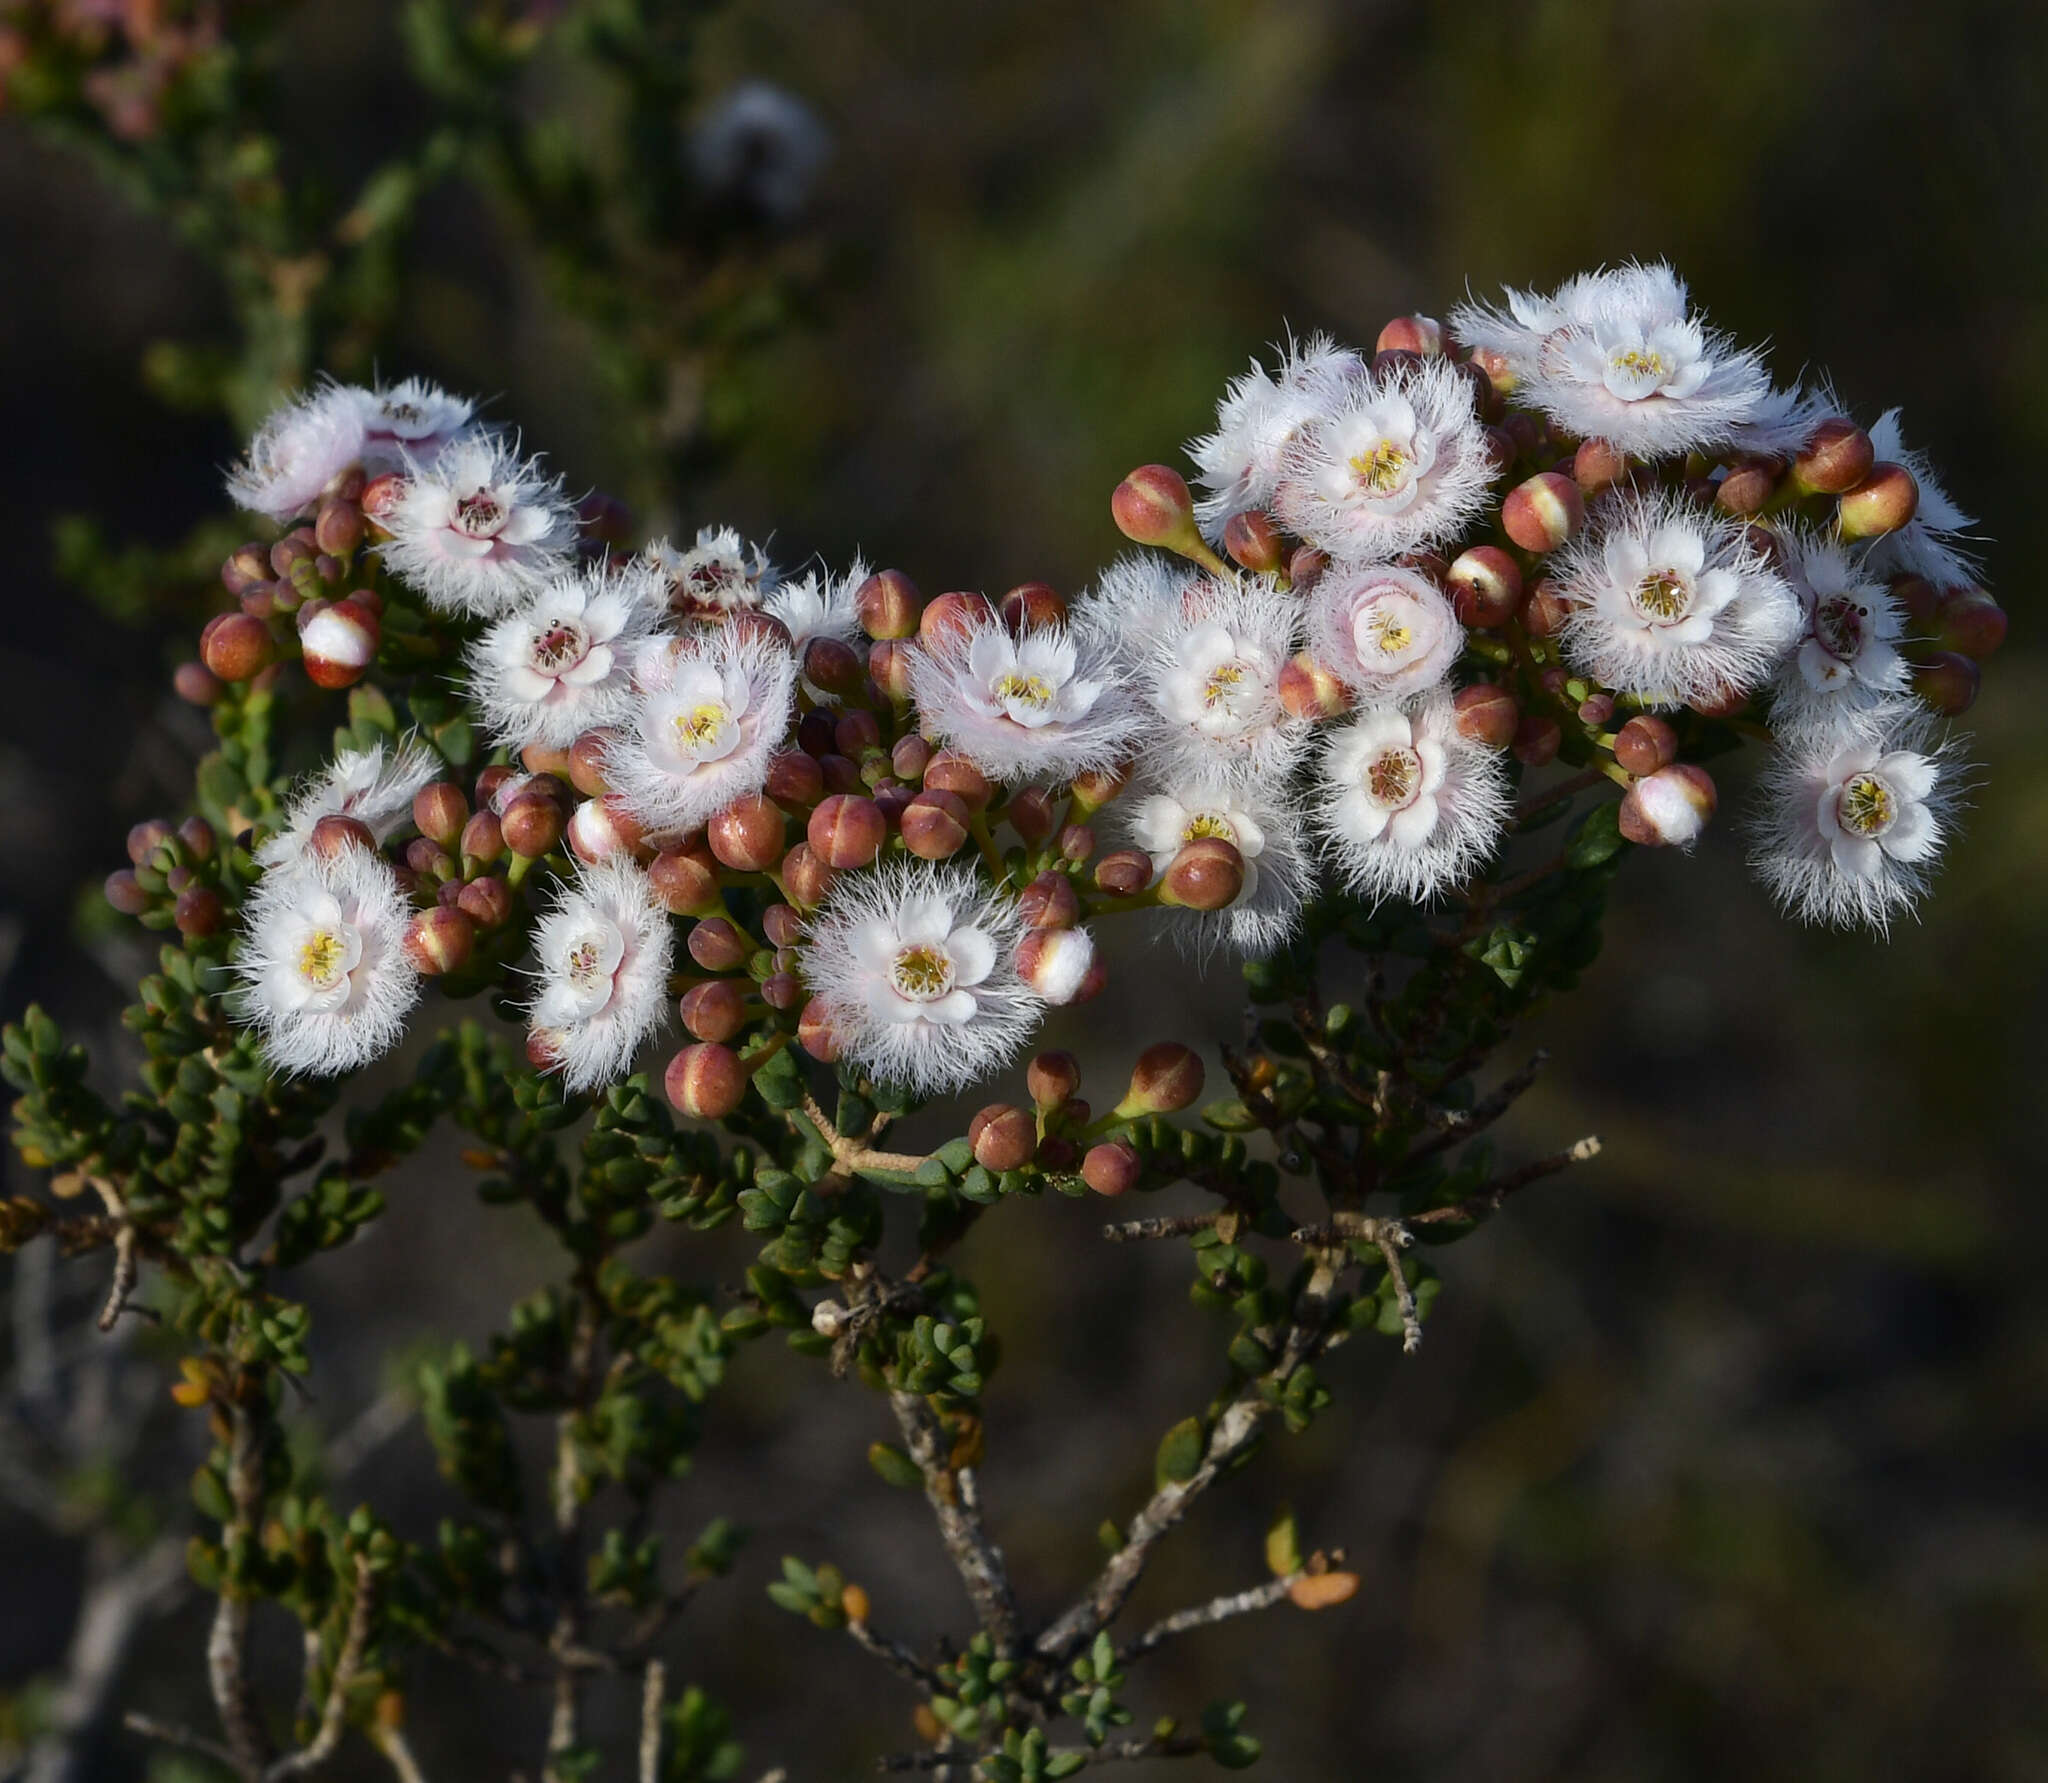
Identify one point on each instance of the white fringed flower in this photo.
(299, 450)
(408, 422)
(1211, 675)
(604, 951)
(1670, 603)
(1620, 355)
(1238, 466)
(1929, 544)
(1266, 833)
(1046, 705)
(1848, 835)
(1140, 597)
(818, 604)
(711, 711)
(1384, 630)
(324, 977)
(1784, 420)
(479, 528)
(375, 786)
(1846, 670)
(715, 577)
(561, 663)
(1399, 463)
(1409, 806)
(914, 966)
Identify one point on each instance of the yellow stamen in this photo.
(320, 957)
(1662, 597)
(1867, 806)
(1209, 824)
(1032, 690)
(1392, 776)
(923, 972)
(1218, 687)
(1380, 469)
(702, 724)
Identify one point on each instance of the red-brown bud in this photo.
(684, 879)
(1305, 567)
(1254, 542)
(1058, 964)
(1597, 466)
(246, 566)
(934, 825)
(887, 605)
(338, 529)
(236, 647)
(593, 832)
(1668, 808)
(1030, 813)
(1485, 586)
(1052, 1078)
(1836, 457)
(782, 924)
(1543, 613)
(834, 666)
(532, 825)
(795, 781)
(715, 1011)
(439, 811)
(198, 838)
(706, 1081)
(544, 758)
(1049, 902)
(1645, 744)
(439, 940)
(544, 1048)
(428, 859)
(847, 831)
(198, 911)
(125, 892)
(747, 835)
(146, 838)
(487, 902)
(908, 757)
(947, 772)
(1746, 488)
(1420, 335)
(953, 617)
(338, 642)
(335, 834)
(483, 838)
(855, 733)
(1948, 682)
(1123, 874)
(805, 878)
(1537, 740)
(1970, 622)
(1542, 513)
(196, 684)
(1095, 787)
(1722, 701)
(753, 623)
(1883, 502)
(1112, 1168)
(1167, 1077)
(1030, 606)
(841, 774)
(585, 766)
(1487, 714)
(1077, 842)
(1152, 507)
(717, 946)
(1207, 874)
(381, 496)
(782, 990)
(1596, 709)
(1309, 690)
(1003, 1137)
(889, 667)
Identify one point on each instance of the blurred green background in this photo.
(1726, 1454)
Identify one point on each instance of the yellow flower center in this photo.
(701, 724)
(1029, 690)
(1867, 806)
(922, 972)
(1217, 690)
(583, 963)
(1381, 468)
(1207, 825)
(320, 959)
(1661, 597)
(1390, 633)
(1392, 776)
(1640, 363)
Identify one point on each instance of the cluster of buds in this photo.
(825, 811)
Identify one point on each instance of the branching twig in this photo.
(126, 1271)
(1217, 1609)
(1179, 1745)
(895, 1655)
(346, 1665)
(1486, 1110)
(955, 1501)
(1501, 1187)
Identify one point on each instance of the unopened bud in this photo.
(1537, 740)
(1487, 714)
(1543, 613)
(908, 757)
(1485, 586)
(1883, 502)
(834, 666)
(429, 860)
(439, 811)
(381, 496)
(706, 1081)
(196, 684)
(887, 605)
(815, 1033)
(1420, 335)
(1970, 622)
(1077, 842)
(197, 836)
(1053, 1078)
(1542, 513)
(583, 765)
(717, 946)
(1113, 1168)
(545, 1048)
(146, 838)
(544, 758)
(715, 1011)
(1746, 488)
(1309, 690)
(755, 624)
(841, 774)
(1645, 744)
(236, 647)
(1003, 1137)
(124, 891)
(795, 781)
(1030, 813)
(1596, 709)
(1152, 507)
(439, 940)
(889, 667)
(855, 733)
(1094, 788)
(338, 530)
(1056, 962)
(747, 835)
(487, 901)
(782, 990)
(1597, 466)
(1722, 700)
(532, 825)
(1030, 606)
(953, 617)
(947, 772)
(483, 838)
(334, 835)
(1207, 874)
(1254, 542)
(1836, 457)
(846, 831)
(934, 825)
(1947, 681)
(1669, 808)
(1305, 567)
(339, 643)
(198, 911)
(1123, 874)
(1918, 598)
(1049, 902)
(246, 566)
(1167, 1077)
(805, 878)
(592, 834)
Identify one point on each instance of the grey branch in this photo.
(895, 1655)
(654, 1686)
(1178, 1225)
(956, 1501)
(347, 1664)
(1180, 1745)
(1487, 1109)
(1206, 1615)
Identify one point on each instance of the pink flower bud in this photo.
(428, 860)
(795, 781)
(1645, 744)
(1485, 586)
(1123, 874)
(954, 617)
(198, 912)
(1537, 740)
(834, 666)
(1113, 1168)
(1746, 488)
(146, 838)
(1487, 714)
(1948, 682)
(1596, 709)
(1167, 1077)
(338, 529)
(332, 835)
(487, 902)
(751, 622)
(439, 940)
(715, 1011)
(782, 990)
(908, 757)
(483, 839)
(592, 833)
(1031, 605)
(532, 825)
(1970, 622)
(585, 766)
(846, 831)
(1095, 788)
(1049, 902)
(805, 878)
(1420, 335)
(544, 1047)
(542, 758)
(1056, 962)
(439, 811)
(236, 647)
(246, 566)
(934, 825)
(1305, 567)
(1883, 502)
(1836, 457)
(1543, 613)
(1597, 466)
(1669, 808)
(814, 1032)
(196, 684)
(125, 892)
(1003, 1137)
(339, 643)
(1077, 842)
(1053, 1078)
(889, 664)
(717, 946)
(1254, 542)
(887, 605)
(1309, 690)
(1207, 874)
(747, 835)
(1030, 813)
(706, 1081)
(1152, 507)
(1542, 513)
(947, 772)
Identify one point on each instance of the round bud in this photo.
(532, 825)
(1113, 1168)
(834, 666)
(846, 831)
(1305, 567)
(1487, 714)
(1052, 1078)
(684, 879)
(908, 757)
(1836, 457)
(1883, 502)
(1948, 682)
(953, 617)
(1543, 613)
(1207, 874)
(289, 552)
(814, 1032)
(1918, 598)
(542, 758)
(1254, 542)
(1167, 1078)
(198, 838)
(1542, 513)
(245, 567)
(805, 878)
(440, 811)
(1596, 709)
(1030, 813)
(1003, 1137)
(585, 766)
(544, 1048)
(334, 834)
(747, 835)
(1525, 431)
(1030, 606)
(339, 643)
(196, 684)
(236, 647)
(381, 496)
(487, 901)
(1095, 787)
(1123, 874)
(1309, 690)
(716, 945)
(1746, 488)
(795, 781)
(753, 623)
(489, 782)
(483, 838)
(1970, 622)
(428, 859)
(1670, 807)
(1152, 507)
(816, 733)
(889, 666)
(1420, 335)
(1645, 744)
(198, 912)
(125, 892)
(1720, 702)
(1077, 842)
(1597, 466)
(1485, 586)
(855, 733)
(1056, 963)
(591, 833)
(706, 1081)
(715, 1011)
(1537, 740)
(1049, 902)
(947, 772)
(887, 605)
(934, 825)
(841, 774)
(782, 990)
(439, 940)
(783, 925)
(146, 838)
(338, 529)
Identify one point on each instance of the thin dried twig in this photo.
(1174, 1225)
(654, 1686)
(1217, 1609)
(347, 1663)
(955, 1500)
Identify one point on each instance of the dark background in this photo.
(1725, 1454)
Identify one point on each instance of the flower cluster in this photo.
(820, 810)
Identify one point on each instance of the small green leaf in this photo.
(1180, 1452)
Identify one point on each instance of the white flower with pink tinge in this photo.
(915, 966)
(297, 452)
(1384, 630)
(375, 786)
(604, 952)
(1263, 828)
(1211, 673)
(718, 576)
(1846, 673)
(1238, 466)
(561, 664)
(480, 528)
(408, 422)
